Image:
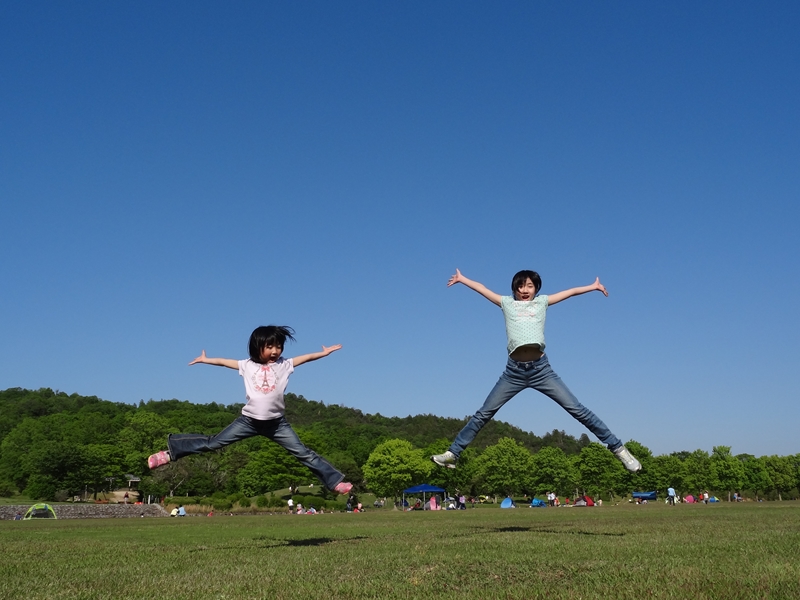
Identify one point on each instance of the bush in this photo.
(264, 502)
(222, 504)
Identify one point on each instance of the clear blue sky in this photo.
(173, 175)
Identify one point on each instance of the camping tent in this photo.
(508, 503)
(536, 503)
(423, 489)
(40, 511)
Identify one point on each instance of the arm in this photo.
(220, 362)
(596, 286)
(304, 358)
(474, 285)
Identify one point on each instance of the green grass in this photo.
(727, 551)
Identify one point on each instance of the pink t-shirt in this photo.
(264, 386)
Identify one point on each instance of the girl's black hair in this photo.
(268, 335)
(520, 279)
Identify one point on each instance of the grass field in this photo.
(725, 551)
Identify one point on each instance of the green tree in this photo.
(271, 468)
(667, 470)
(553, 471)
(100, 463)
(599, 471)
(698, 473)
(782, 473)
(756, 477)
(729, 471)
(394, 466)
(505, 468)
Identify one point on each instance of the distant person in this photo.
(266, 374)
(18, 516)
(125, 498)
(671, 496)
(181, 511)
(528, 366)
(174, 512)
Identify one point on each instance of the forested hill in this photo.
(329, 422)
(420, 430)
(55, 445)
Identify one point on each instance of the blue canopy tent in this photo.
(645, 495)
(423, 489)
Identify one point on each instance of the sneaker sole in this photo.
(441, 464)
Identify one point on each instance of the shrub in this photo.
(264, 502)
(222, 504)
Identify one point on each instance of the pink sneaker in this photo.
(158, 459)
(343, 488)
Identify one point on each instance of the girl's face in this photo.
(271, 353)
(526, 291)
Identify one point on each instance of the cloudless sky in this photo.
(173, 175)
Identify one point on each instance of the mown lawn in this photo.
(717, 551)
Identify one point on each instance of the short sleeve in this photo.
(242, 365)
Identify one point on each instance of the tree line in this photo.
(54, 446)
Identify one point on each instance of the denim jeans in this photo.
(278, 430)
(539, 376)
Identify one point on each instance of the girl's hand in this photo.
(326, 350)
(457, 278)
(199, 359)
(600, 287)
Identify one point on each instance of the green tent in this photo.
(40, 511)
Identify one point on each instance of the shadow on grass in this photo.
(555, 531)
(269, 542)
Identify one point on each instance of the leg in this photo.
(508, 386)
(183, 444)
(547, 382)
(280, 432)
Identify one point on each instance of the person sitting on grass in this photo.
(266, 374)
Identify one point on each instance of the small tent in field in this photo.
(508, 503)
(536, 503)
(40, 511)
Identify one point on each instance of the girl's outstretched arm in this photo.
(474, 285)
(304, 358)
(220, 362)
(596, 286)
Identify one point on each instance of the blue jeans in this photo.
(278, 430)
(539, 376)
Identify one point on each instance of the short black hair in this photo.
(268, 335)
(520, 278)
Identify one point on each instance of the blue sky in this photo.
(174, 175)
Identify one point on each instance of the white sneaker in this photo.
(628, 459)
(448, 459)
